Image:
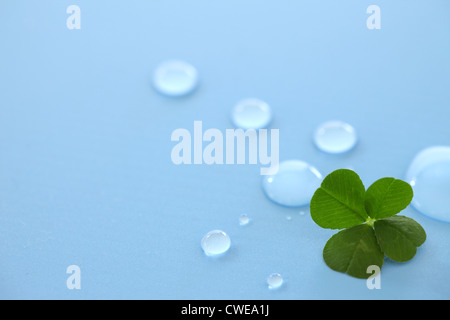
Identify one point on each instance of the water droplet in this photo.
(244, 220)
(301, 212)
(175, 78)
(275, 280)
(293, 185)
(288, 218)
(215, 242)
(251, 114)
(335, 137)
(429, 176)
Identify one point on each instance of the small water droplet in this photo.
(215, 242)
(244, 220)
(335, 137)
(288, 218)
(293, 185)
(251, 114)
(429, 176)
(175, 78)
(301, 212)
(275, 280)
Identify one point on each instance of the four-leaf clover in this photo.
(371, 227)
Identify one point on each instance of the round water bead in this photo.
(244, 220)
(251, 114)
(215, 242)
(335, 137)
(429, 176)
(175, 78)
(275, 280)
(293, 185)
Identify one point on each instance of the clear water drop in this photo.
(289, 218)
(251, 114)
(301, 212)
(175, 78)
(215, 242)
(335, 137)
(244, 220)
(293, 185)
(429, 176)
(275, 280)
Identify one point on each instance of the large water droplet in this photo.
(275, 280)
(293, 185)
(251, 114)
(175, 78)
(215, 242)
(335, 137)
(429, 176)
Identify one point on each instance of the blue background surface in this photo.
(86, 176)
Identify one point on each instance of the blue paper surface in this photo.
(86, 176)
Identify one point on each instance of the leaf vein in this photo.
(343, 203)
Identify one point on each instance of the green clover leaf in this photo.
(399, 237)
(339, 201)
(387, 197)
(352, 250)
(371, 227)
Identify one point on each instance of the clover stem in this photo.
(370, 221)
